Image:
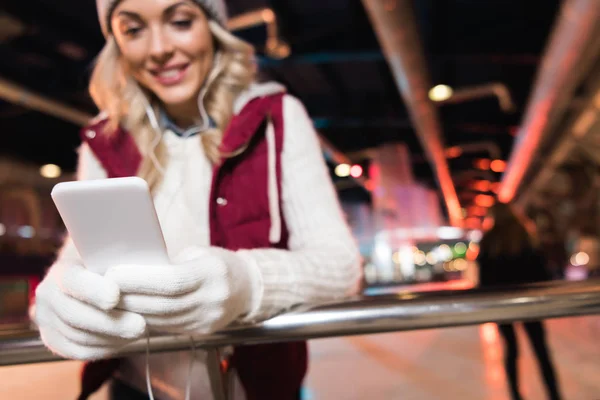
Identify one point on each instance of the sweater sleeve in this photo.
(323, 262)
(88, 167)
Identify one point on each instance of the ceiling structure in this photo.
(336, 67)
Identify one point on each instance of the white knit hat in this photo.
(215, 9)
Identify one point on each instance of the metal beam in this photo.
(470, 93)
(332, 57)
(329, 122)
(275, 46)
(325, 122)
(324, 58)
(564, 62)
(22, 97)
(477, 147)
(577, 137)
(396, 28)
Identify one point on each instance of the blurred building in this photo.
(29, 222)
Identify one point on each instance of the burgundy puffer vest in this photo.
(239, 219)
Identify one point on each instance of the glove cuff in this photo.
(246, 280)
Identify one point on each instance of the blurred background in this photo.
(428, 112)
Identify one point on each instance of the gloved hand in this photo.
(201, 291)
(74, 311)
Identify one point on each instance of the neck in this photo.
(183, 115)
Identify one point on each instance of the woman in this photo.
(249, 213)
(508, 256)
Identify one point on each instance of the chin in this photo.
(177, 95)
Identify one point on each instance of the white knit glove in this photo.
(202, 291)
(74, 311)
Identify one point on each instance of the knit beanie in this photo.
(215, 9)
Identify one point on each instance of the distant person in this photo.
(508, 256)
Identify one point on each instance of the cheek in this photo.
(133, 54)
(198, 51)
(196, 45)
(134, 61)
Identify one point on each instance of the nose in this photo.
(161, 47)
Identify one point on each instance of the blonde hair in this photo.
(127, 104)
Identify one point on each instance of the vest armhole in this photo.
(117, 153)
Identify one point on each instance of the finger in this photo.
(116, 323)
(89, 287)
(175, 321)
(157, 305)
(83, 338)
(64, 347)
(165, 280)
(188, 322)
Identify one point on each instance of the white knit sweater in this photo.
(321, 265)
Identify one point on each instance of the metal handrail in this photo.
(365, 315)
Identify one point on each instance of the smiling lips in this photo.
(171, 75)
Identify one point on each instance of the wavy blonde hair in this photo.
(125, 102)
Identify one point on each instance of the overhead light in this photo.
(460, 264)
(356, 171)
(10, 27)
(473, 222)
(420, 258)
(498, 165)
(50, 171)
(478, 211)
(453, 152)
(26, 231)
(482, 164)
(72, 50)
(277, 48)
(449, 233)
(444, 253)
(484, 200)
(431, 258)
(440, 93)
(475, 236)
(482, 185)
(343, 170)
(268, 15)
(460, 248)
(580, 259)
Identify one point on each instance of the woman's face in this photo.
(167, 47)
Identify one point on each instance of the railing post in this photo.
(216, 374)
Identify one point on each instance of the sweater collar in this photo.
(254, 91)
(167, 124)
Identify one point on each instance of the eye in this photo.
(183, 23)
(130, 28)
(133, 31)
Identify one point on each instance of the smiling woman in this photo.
(168, 50)
(178, 54)
(248, 211)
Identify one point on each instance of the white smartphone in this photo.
(111, 222)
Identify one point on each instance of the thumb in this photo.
(156, 280)
(87, 286)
